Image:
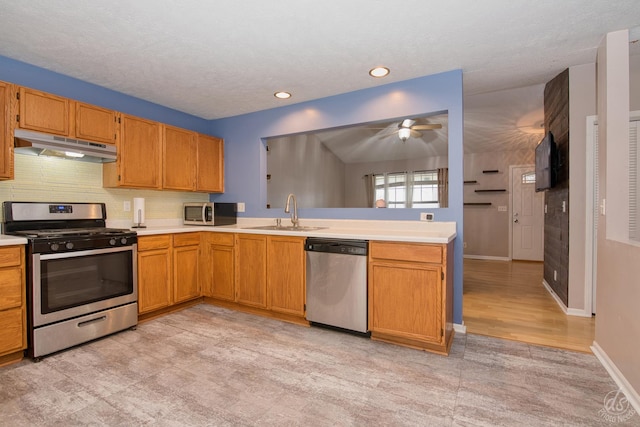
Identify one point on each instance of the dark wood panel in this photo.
(556, 222)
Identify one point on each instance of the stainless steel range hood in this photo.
(41, 144)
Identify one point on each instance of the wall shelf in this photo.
(477, 204)
(496, 190)
(471, 182)
(491, 171)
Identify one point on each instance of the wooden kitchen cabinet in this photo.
(43, 112)
(95, 124)
(13, 321)
(186, 253)
(286, 274)
(218, 276)
(179, 154)
(251, 269)
(139, 160)
(154, 272)
(411, 294)
(210, 164)
(6, 131)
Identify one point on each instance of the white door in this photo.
(527, 215)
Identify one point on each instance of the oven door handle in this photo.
(76, 254)
(89, 322)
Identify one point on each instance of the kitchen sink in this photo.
(284, 228)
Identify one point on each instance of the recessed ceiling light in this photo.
(282, 95)
(379, 72)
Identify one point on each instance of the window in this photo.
(529, 178)
(417, 189)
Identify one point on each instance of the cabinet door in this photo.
(94, 123)
(154, 280)
(251, 269)
(185, 273)
(6, 139)
(140, 153)
(286, 274)
(43, 112)
(210, 164)
(405, 300)
(179, 159)
(11, 331)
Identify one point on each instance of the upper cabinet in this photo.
(95, 123)
(210, 164)
(44, 112)
(6, 131)
(139, 160)
(179, 153)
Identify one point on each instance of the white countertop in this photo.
(12, 240)
(403, 231)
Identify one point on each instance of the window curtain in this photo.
(370, 188)
(443, 187)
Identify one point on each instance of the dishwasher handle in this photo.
(345, 247)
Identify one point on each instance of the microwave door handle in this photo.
(204, 210)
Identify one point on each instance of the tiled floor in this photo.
(211, 366)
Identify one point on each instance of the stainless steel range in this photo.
(81, 276)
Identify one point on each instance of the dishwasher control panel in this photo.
(335, 246)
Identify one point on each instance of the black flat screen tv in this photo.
(546, 163)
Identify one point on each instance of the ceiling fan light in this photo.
(379, 72)
(404, 133)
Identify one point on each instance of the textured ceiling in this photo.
(222, 58)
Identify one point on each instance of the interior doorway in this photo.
(527, 215)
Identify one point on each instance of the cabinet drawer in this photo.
(10, 288)
(147, 243)
(222, 239)
(10, 256)
(11, 330)
(415, 252)
(186, 239)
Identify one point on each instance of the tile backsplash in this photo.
(48, 179)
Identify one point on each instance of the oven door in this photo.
(72, 284)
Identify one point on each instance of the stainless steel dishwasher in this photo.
(337, 283)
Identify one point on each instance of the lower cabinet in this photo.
(251, 269)
(13, 337)
(286, 274)
(167, 270)
(217, 266)
(411, 294)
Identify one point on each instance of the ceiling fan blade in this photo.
(415, 133)
(427, 127)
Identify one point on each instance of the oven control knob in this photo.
(54, 247)
(69, 245)
(123, 240)
(112, 242)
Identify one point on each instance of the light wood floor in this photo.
(507, 300)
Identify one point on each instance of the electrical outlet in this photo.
(126, 206)
(555, 275)
(464, 245)
(240, 207)
(426, 216)
(545, 208)
(564, 206)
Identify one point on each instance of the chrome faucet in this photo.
(287, 209)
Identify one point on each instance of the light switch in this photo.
(126, 206)
(240, 207)
(502, 208)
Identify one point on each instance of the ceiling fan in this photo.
(410, 128)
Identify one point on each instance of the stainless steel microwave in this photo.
(207, 213)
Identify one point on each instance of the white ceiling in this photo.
(222, 58)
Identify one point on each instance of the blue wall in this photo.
(245, 154)
(38, 78)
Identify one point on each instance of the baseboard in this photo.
(568, 311)
(460, 328)
(490, 258)
(632, 395)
